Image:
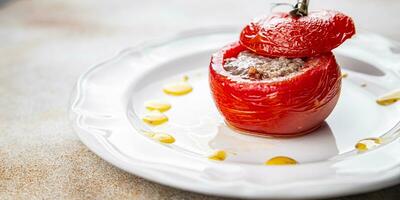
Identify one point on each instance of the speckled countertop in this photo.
(46, 44)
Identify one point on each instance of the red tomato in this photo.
(283, 107)
(280, 34)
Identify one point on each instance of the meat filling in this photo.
(251, 66)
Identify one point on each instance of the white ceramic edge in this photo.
(392, 176)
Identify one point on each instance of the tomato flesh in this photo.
(277, 107)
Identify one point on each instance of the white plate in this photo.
(108, 102)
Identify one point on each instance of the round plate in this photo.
(107, 107)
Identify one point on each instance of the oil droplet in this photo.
(160, 137)
(185, 78)
(219, 155)
(344, 74)
(178, 88)
(368, 143)
(155, 118)
(281, 160)
(149, 134)
(164, 138)
(389, 98)
(157, 105)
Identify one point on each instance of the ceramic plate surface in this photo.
(108, 104)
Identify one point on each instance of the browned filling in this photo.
(251, 66)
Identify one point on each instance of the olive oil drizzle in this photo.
(281, 160)
(155, 118)
(219, 155)
(389, 98)
(367, 144)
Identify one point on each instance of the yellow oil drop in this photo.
(218, 155)
(147, 133)
(368, 143)
(160, 137)
(344, 75)
(185, 78)
(281, 160)
(155, 118)
(389, 98)
(386, 102)
(178, 88)
(361, 147)
(157, 105)
(164, 138)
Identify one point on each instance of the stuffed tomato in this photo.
(283, 106)
(281, 78)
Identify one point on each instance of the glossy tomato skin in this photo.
(282, 108)
(280, 34)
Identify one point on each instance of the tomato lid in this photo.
(281, 34)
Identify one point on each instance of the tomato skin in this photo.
(282, 108)
(280, 34)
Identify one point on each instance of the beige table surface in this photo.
(46, 44)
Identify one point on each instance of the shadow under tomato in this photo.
(317, 146)
(358, 65)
